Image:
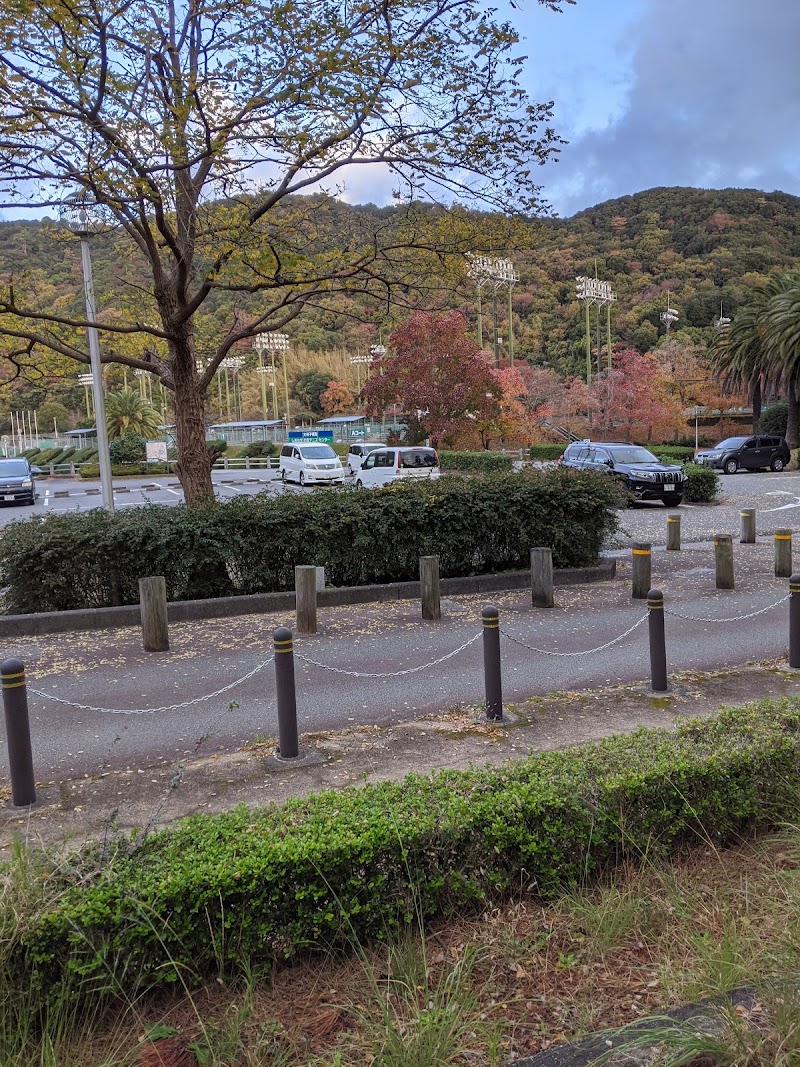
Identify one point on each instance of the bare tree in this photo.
(205, 129)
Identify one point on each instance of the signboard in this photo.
(156, 451)
(357, 431)
(311, 435)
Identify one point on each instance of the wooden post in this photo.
(305, 589)
(153, 608)
(429, 587)
(783, 553)
(748, 526)
(723, 560)
(640, 570)
(542, 577)
(674, 533)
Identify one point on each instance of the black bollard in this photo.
(18, 732)
(491, 663)
(288, 747)
(794, 621)
(658, 647)
(640, 570)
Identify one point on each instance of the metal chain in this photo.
(733, 618)
(389, 674)
(153, 711)
(588, 652)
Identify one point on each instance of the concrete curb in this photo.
(52, 622)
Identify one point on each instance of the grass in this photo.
(486, 989)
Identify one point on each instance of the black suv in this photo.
(640, 473)
(747, 454)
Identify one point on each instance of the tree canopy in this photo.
(190, 126)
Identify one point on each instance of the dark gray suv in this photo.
(17, 481)
(641, 474)
(746, 454)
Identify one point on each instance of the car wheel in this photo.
(730, 466)
(302, 479)
(359, 484)
(777, 464)
(673, 500)
(283, 476)
(31, 499)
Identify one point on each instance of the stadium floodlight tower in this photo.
(272, 343)
(593, 291)
(495, 276)
(81, 215)
(723, 321)
(669, 316)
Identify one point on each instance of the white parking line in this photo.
(46, 497)
(167, 489)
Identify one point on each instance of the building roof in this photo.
(339, 419)
(245, 425)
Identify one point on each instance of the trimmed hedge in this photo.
(252, 545)
(475, 461)
(702, 483)
(672, 453)
(214, 892)
(546, 452)
(91, 470)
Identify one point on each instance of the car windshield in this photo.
(13, 468)
(317, 452)
(730, 442)
(633, 455)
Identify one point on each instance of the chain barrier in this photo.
(153, 711)
(587, 652)
(388, 674)
(733, 618)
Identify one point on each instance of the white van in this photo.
(389, 464)
(357, 453)
(310, 464)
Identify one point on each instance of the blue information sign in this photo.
(311, 435)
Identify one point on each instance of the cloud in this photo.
(713, 100)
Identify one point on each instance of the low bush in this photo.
(214, 893)
(702, 483)
(258, 448)
(475, 461)
(82, 455)
(129, 448)
(546, 452)
(91, 469)
(252, 545)
(673, 453)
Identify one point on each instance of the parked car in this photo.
(18, 481)
(641, 474)
(310, 464)
(386, 465)
(746, 453)
(357, 453)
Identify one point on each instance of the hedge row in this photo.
(673, 453)
(123, 470)
(252, 545)
(214, 892)
(475, 461)
(546, 453)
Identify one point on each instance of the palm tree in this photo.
(128, 412)
(782, 324)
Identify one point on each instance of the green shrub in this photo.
(545, 453)
(216, 448)
(673, 453)
(475, 461)
(702, 483)
(252, 545)
(215, 892)
(91, 470)
(775, 418)
(84, 454)
(258, 448)
(130, 448)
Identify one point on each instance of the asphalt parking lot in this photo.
(776, 498)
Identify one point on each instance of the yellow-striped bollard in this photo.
(640, 570)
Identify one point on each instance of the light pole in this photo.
(233, 364)
(86, 382)
(696, 437)
(77, 214)
(496, 275)
(669, 316)
(277, 342)
(593, 291)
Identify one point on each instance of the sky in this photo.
(701, 93)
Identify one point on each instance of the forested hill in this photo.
(701, 249)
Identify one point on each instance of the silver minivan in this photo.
(393, 463)
(312, 463)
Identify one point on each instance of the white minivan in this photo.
(311, 463)
(389, 464)
(358, 452)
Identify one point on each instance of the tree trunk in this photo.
(194, 461)
(756, 404)
(793, 419)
